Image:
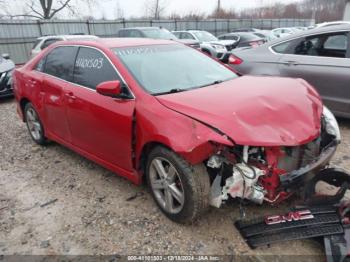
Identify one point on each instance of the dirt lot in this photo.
(93, 213)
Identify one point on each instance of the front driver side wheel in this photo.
(180, 190)
(34, 124)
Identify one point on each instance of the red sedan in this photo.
(164, 113)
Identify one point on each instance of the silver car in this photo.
(321, 56)
(208, 42)
(44, 41)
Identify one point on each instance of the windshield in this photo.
(159, 34)
(204, 36)
(162, 69)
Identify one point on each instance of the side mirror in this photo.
(109, 88)
(6, 56)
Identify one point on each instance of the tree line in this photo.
(320, 10)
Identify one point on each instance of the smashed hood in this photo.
(255, 111)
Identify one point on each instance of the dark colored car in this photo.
(155, 33)
(243, 39)
(6, 69)
(321, 56)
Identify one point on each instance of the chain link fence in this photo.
(17, 36)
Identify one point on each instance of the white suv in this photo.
(44, 41)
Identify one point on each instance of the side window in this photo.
(49, 42)
(233, 37)
(60, 62)
(287, 47)
(93, 68)
(177, 34)
(40, 66)
(123, 33)
(326, 45)
(135, 33)
(336, 42)
(187, 36)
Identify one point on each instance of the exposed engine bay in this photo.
(270, 174)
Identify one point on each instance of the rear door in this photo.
(99, 125)
(323, 61)
(58, 70)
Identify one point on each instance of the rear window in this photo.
(249, 37)
(60, 62)
(336, 42)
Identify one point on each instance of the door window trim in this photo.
(85, 87)
(310, 35)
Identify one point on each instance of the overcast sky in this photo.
(135, 8)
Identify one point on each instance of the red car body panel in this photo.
(114, 132)
(255, 111)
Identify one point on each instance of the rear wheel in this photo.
(180, 190)
(34, 125)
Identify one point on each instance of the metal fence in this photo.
(17, 36)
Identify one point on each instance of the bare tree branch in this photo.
(42, 9)
(55, 11)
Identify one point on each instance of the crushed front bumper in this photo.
(297, 177)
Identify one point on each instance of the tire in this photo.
(192, 181)
(34, 124)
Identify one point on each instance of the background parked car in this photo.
(155, 33)
(208, 42)
(265, 34)
(248, 29)
(320, 56)
(325, 24)
(44, 41)
(6, 70)
(244, 39)
(283, 32)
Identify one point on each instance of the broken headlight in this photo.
(331, 123)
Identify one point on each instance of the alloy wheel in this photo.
(33, 123)
(166, 185)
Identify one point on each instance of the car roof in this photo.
(314, 31)
(241, 33)
(141, 28)
(333, 23)
(68, 36)
(189, 31)
(118, 42)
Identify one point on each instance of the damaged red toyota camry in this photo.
(164, 113)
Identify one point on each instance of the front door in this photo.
(58, 70)
(99, 125)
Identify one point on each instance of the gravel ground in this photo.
(93, 211)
